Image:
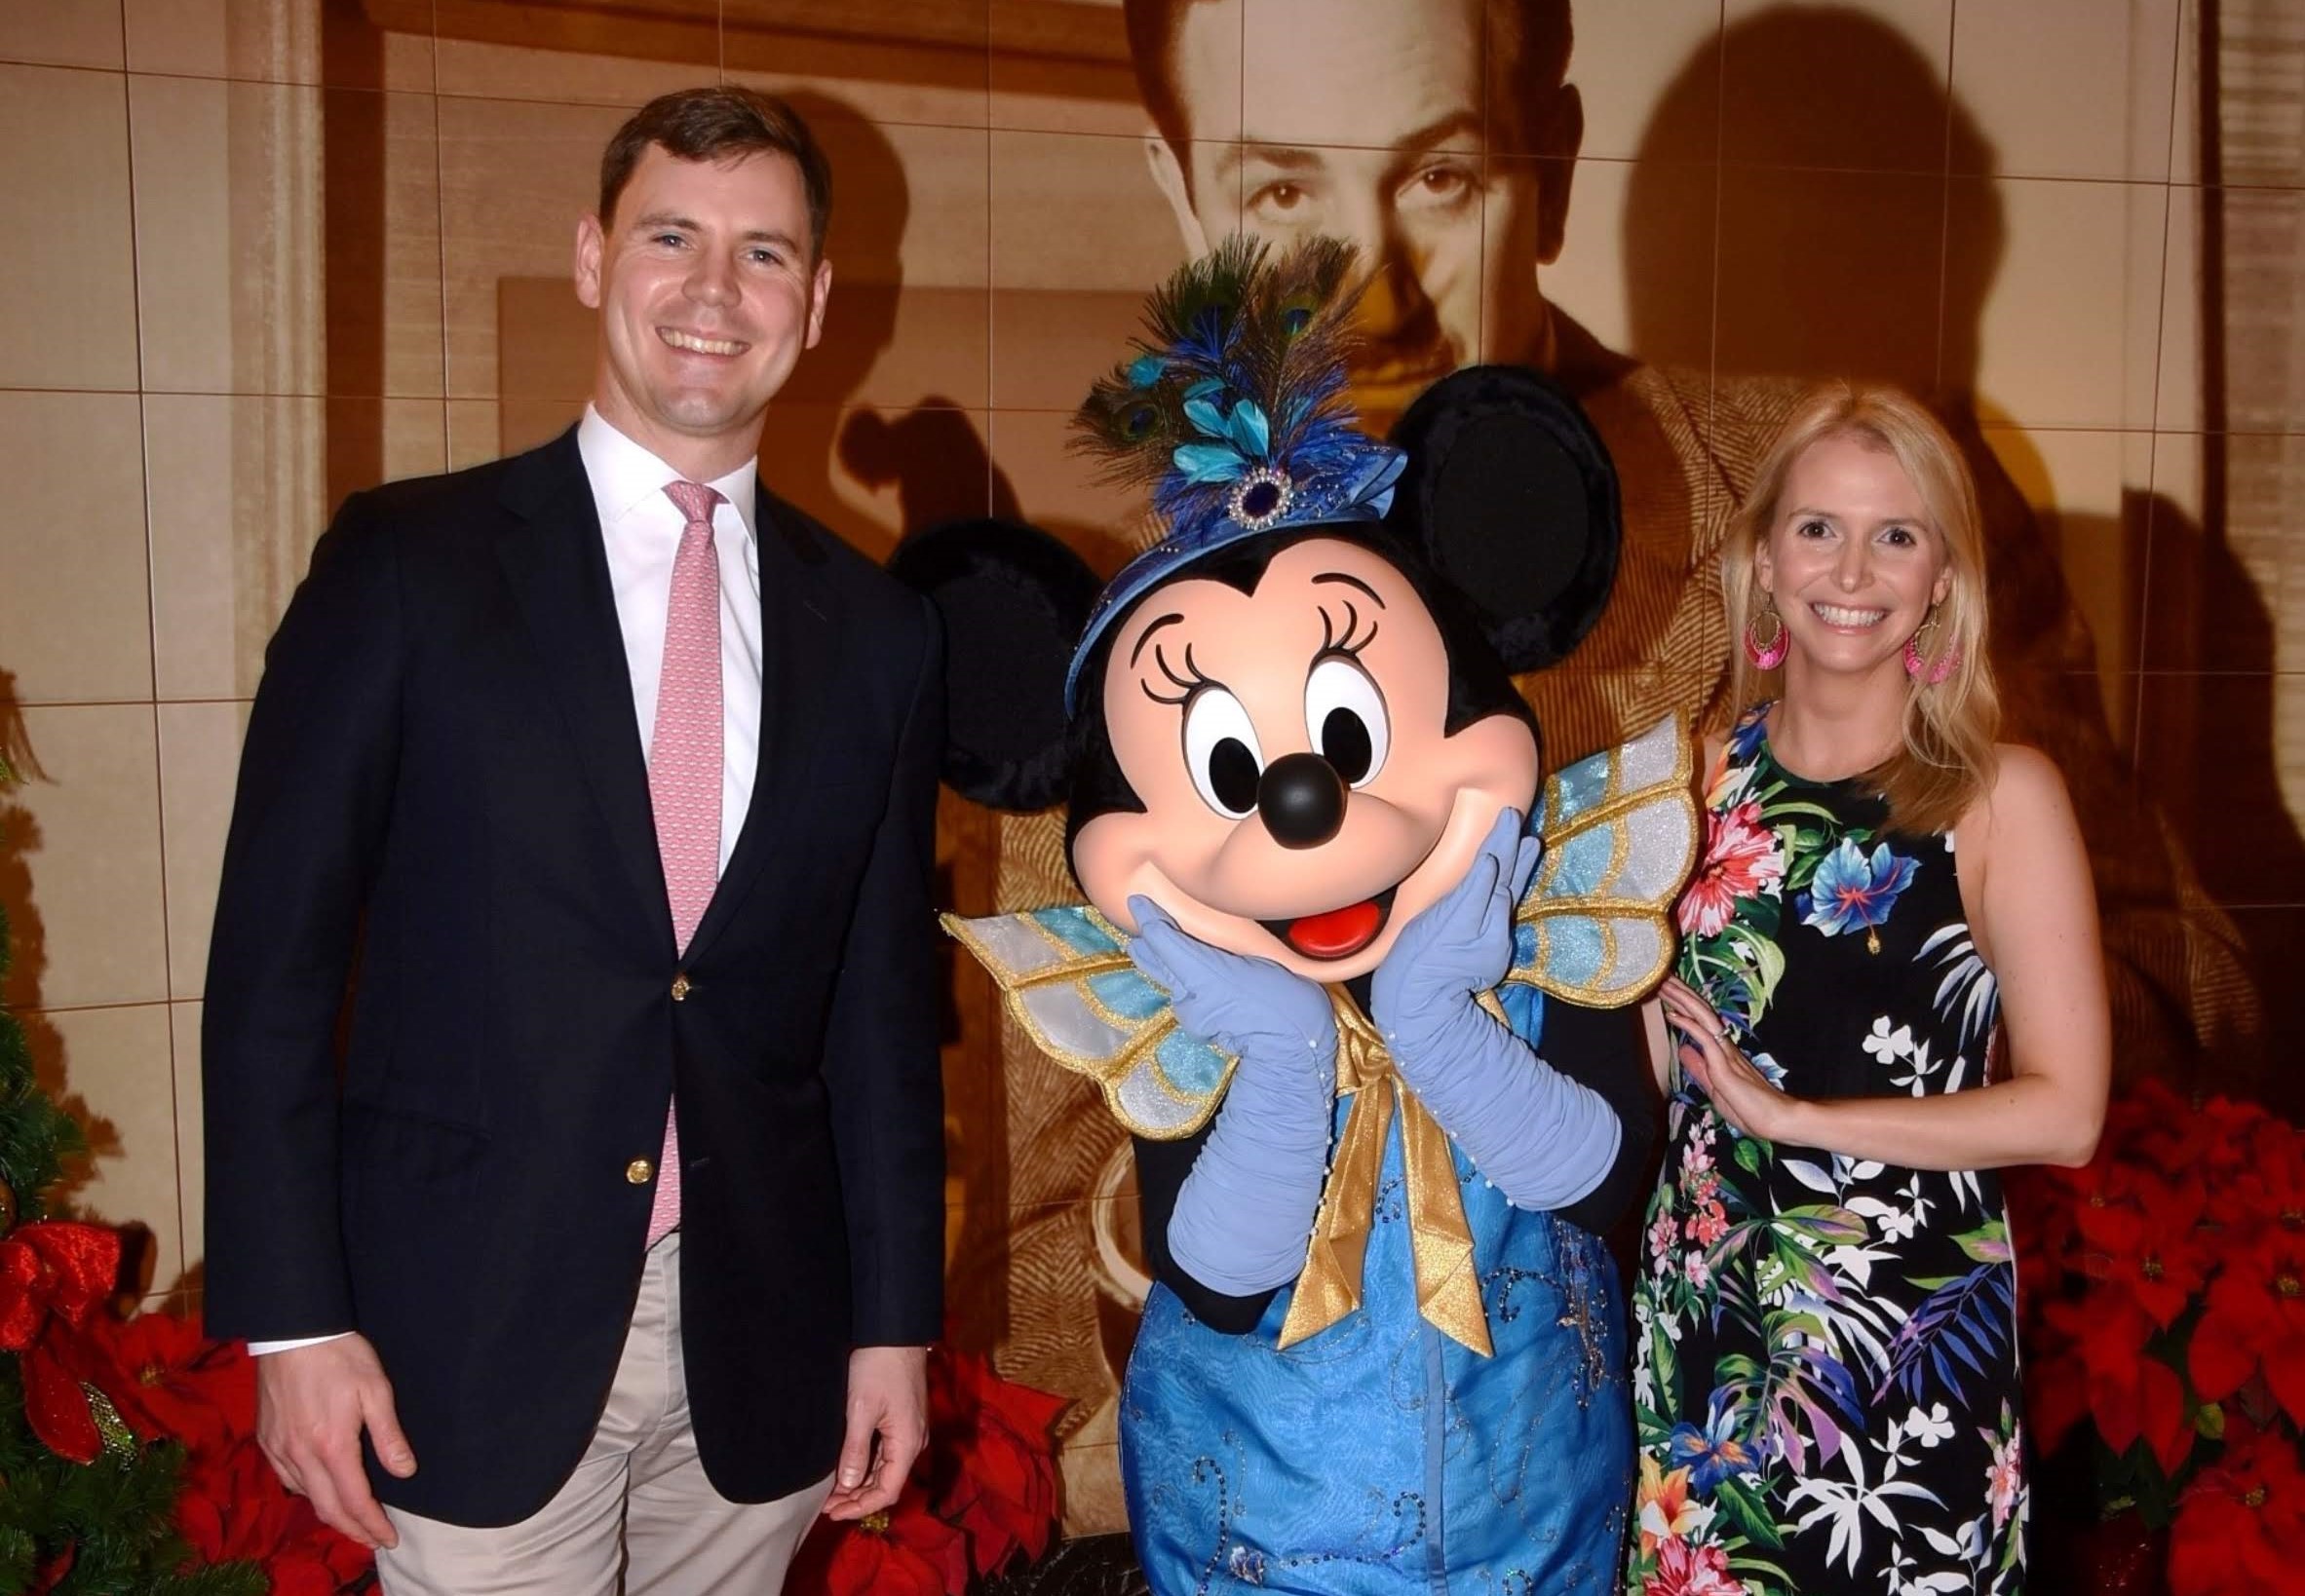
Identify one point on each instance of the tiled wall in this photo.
(259, 252)
(162, 429)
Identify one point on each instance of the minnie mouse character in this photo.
(1367, 1017)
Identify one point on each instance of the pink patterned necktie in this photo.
(684, 769)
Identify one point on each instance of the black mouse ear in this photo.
(1511, 495)
(1014, 600)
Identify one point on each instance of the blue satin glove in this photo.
(1244, 1214)
(1540, 1138)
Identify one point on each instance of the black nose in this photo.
(1302, 800)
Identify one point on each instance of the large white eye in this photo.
(1221, 752)
(1345, 714)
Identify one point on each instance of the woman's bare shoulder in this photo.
(2028, 780)
(2024, 798)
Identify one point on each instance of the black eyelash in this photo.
(1190, 683)
(1348, 645)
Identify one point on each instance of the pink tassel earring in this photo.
(1769, 655)
(1916, 659)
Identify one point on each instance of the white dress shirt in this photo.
(640, 528)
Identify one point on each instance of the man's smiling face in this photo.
(709, 287)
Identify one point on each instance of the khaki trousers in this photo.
(637, 1517)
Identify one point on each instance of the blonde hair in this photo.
(1947, 760)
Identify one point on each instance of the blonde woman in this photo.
(1889, 988)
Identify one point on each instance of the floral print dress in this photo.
(1824, 1360)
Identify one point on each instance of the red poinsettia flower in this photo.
(1740, 857)
(2057, 1376)
(2255, 1320)
(234, 1506)
(2240, 1526)
(2268, 1189)
(2043, 1231)
(2148, 1247)
(994, 1472)
(2177, 1138)
(171, 1382)
(906, 1551)
(2130, 1395)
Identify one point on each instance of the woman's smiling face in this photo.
(1853, 557)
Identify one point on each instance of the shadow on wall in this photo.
(931, 454)
(1844, 249)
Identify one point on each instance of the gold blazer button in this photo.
(680, 986)
(638, 1171)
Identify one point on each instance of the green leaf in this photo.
(1988, 1243)
(1747, 1511)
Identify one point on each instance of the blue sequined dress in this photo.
(1380, 1454)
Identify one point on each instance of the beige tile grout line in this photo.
(1713, 317)
(1944, 201)
(2169, 209)
(439, 233)
(168, 952)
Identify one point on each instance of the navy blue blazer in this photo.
(443, 806)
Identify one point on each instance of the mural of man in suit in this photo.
(1442, 136)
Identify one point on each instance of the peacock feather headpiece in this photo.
(1234, 412)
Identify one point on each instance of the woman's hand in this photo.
(1742, 1094)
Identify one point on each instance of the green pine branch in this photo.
(117, 1515)
(36, 1137)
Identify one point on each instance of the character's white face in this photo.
(1302, 796)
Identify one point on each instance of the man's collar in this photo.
(625, 475)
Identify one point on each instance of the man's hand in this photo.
(312, 1403)
(888, 1397)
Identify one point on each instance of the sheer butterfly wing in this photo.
(1064, 973)
(1620, 832)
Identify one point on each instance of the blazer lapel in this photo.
(557, 567)
(798, 628)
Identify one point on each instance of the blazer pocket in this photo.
(414, 1148)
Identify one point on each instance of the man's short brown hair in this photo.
(723, 123)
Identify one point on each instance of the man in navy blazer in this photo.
(587, 801)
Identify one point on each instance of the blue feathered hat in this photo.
(1234, 412)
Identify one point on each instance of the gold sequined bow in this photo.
(1441, 1241)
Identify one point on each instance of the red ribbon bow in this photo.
(55, 1273)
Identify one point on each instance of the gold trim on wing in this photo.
(1128, 1066)
(1613, 913)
